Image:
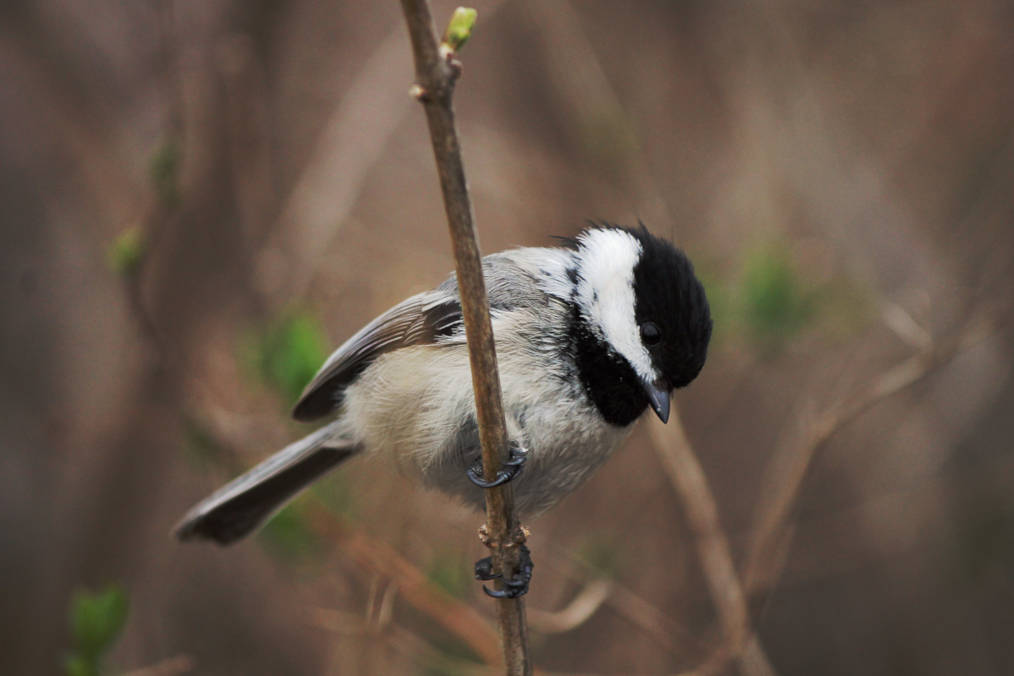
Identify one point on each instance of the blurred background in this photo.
(200, 199)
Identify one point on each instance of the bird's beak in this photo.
(658, 396)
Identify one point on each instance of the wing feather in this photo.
(518, 278)
(426, 318)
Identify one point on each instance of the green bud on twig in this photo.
(459, 28)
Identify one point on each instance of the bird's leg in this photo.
(518, 584)
(510, 468)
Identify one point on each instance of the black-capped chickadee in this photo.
(587, 337)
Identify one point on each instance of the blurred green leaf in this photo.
(288, 534)
(287, 353)
(775, 303)
(602, 555)
(448, 571)
(772, 300)
(459, 28)
(126, 252)
(164, 170)
(719, 301)
(336, 495)
(76, 665)
(96, 620)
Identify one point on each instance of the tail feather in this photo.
(237, 508)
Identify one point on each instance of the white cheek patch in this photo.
(606, 292)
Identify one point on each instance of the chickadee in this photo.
(588, 336)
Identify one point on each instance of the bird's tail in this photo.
(237, 508)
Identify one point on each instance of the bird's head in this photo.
(638, 298)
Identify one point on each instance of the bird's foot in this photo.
(510, 468)
(512, 588)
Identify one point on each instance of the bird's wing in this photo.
(513, 279)
(426, 318)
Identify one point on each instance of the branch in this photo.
(692, 487)
(397, 637)
(687, 477)
(793, 465)
(372, 555)
(347, 149)
(579, 611)
(436, 72)
(455, 616)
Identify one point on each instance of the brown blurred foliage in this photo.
(841, 172)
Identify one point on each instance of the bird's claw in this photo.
(514, 587)
(510, 468)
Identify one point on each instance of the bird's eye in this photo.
(650, 333)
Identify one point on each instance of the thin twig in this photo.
(398, 638)
(772, 535)
(577, 612)
(331, 181)
(687, 476)
(456, 617)
(408, 582)
(436, 73)
(793, 466)
(770, 532)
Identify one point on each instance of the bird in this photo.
(589, 335)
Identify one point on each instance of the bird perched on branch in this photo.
(588, 337)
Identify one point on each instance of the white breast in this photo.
(415, 406)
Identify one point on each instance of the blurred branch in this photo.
(410, 644)
(248, 135)
(687, 477)
(436, 73)
(332, 179)
(577, 612)
(770, 534)
(904, 325)
(331, 182)
(668, 634)
(656, 624)
(598, 109)
(163, 203)
(789, 470)
(456, 617)
(410, 583)
(399, 638)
